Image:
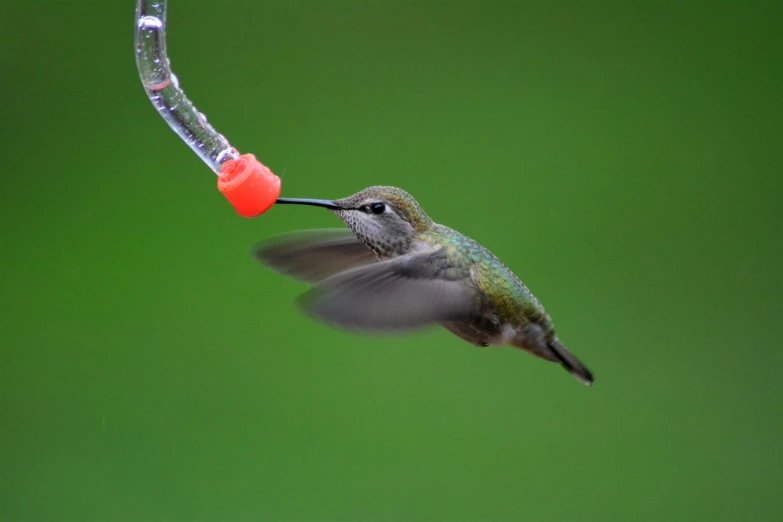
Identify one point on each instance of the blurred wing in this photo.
(400, 294)
(313, 255)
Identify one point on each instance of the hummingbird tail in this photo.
(571, 363)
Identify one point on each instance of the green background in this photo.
(625, 159)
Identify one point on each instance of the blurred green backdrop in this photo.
(624, 158)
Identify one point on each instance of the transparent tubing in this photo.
(162, 88)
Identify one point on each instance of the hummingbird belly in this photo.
(480, 331)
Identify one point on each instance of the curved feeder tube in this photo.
(247, 184)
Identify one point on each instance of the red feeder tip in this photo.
(248, 185)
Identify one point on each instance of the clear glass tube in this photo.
(163, 90)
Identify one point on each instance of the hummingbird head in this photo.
(386, 219)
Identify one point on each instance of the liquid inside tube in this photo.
(163, 89)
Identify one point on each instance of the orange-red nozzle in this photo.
(248, 185)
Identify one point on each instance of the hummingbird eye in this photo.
(377, 208)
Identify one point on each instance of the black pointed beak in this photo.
(313, 202)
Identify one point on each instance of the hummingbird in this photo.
(395, 270)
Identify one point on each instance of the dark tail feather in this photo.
(571, 363)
